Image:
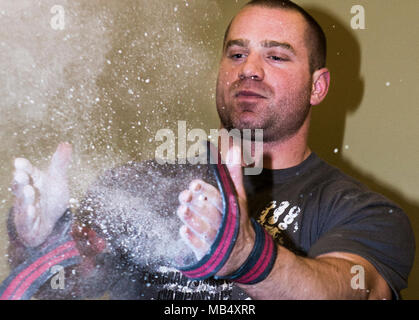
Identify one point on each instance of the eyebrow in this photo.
(273, 44)
(264, 43)
(237, 42)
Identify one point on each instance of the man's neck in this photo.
(278, 154)
(282, 156)
(288, 153)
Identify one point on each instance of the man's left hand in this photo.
(201, 212)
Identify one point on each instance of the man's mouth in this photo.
(248, 94)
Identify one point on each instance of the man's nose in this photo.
(252, 68)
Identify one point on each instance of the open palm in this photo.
(41, 197)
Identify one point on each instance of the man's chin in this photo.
(248, 123)
(248, 131)
(241, 127)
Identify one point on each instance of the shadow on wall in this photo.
(328, 120)
(346, 90)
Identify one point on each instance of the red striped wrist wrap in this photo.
(262, 257)
(260, 261)
(226, 236)
(25, 280)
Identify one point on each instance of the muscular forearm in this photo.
(295, 277)
(292, 277)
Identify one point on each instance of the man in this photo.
(324, 223)
(269, 78)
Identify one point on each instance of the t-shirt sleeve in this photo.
(365, 223)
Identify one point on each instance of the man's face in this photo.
(264, 80)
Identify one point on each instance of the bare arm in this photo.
(325, 277)
(292, 277)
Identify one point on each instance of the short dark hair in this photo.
(315, 36)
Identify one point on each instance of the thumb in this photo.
(61, 159)
(233, 161)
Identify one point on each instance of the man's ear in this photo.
(320, 87)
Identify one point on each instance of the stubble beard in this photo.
(279, 120)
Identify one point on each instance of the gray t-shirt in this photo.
(314, 208)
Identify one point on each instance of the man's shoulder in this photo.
(344, 200)
(335, 180)
(340, 194)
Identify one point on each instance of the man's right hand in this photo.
(41, 197)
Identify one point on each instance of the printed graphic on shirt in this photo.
(278, 217)
(175, 286)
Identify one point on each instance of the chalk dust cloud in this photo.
(115, 74)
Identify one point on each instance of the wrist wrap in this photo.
(263, 255)
(260, 261)
(25, 280)
(226, 236)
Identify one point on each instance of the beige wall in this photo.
(369, 116)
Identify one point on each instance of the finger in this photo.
(234, 167)
(35, 226)
(30, 214)
(20, 180)
(24, 219)
(205, 210)
(23, 169)
(199, 226)
(22, 164)
(197, 201)
(28, 195)
(20, 177)
(61, 158)
(192, 241)
(207, 192)
(185, 197)
(37, 178)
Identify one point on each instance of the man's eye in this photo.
(237, 56)
(276, 58)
